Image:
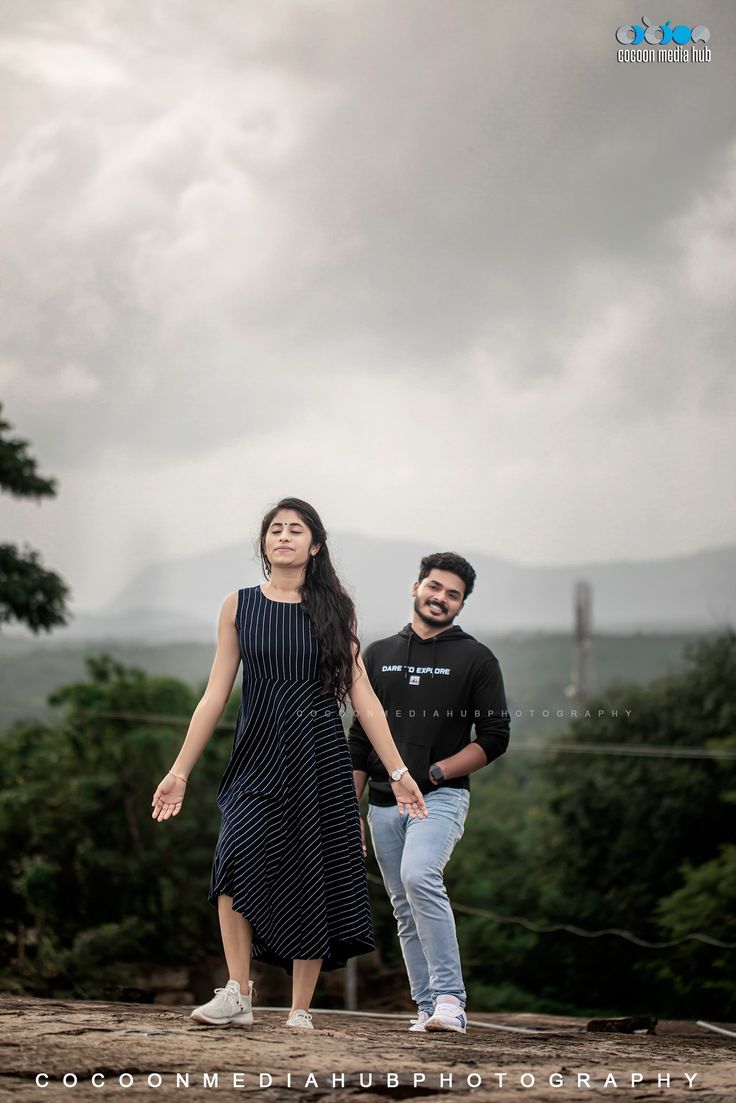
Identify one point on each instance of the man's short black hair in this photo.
(449, 561)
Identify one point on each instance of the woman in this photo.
(288, 873)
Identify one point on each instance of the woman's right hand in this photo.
(168, 798)
(409, 797)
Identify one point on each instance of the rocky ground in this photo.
(144, 1052)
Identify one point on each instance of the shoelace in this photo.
(234, 992)
(297, 1015)
(229, 993)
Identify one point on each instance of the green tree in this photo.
(90, 881)
(29, 592)
(706, 902)
(618, 839)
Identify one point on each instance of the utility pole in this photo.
(579, 689)
(351, 984)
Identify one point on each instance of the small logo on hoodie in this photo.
(414, 680)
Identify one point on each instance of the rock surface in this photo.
(57, 1037)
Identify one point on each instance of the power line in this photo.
(643, 750)
(613, 750)
(152, 718)
(466, 909)
(609, 749)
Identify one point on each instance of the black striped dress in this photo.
(289, 850)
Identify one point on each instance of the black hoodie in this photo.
(432, 692)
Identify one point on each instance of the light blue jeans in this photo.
(411, 855)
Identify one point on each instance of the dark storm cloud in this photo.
(208, 209)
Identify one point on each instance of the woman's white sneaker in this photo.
(300, 1019)
(419, 1022)
(228, 1007)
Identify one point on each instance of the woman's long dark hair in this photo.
(324, 600)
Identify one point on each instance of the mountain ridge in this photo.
(180, 599)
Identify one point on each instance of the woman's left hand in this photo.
(409, 797)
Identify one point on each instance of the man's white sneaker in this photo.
(419, 1022)
(300, 1019)
(229, 1007)
(448, 1016)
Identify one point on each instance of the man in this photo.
(434, 681)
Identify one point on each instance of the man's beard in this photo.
(433, 621)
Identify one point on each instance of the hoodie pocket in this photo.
(417, 756)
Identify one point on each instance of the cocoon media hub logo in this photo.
(632, 34)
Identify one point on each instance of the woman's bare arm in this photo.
(369, 711)
(217, 694)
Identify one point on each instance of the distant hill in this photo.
(179, 599)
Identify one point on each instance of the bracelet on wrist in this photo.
(179, 776)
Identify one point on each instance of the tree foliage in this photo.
(90, 880)
(91, 886)
(620, 842)
(29, 592)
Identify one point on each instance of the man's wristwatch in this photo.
(396, 774)
(435, 772)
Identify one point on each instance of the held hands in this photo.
(409, 797)
(168, 798)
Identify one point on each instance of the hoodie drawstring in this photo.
(408, 655)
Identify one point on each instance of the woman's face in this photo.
(288, 540)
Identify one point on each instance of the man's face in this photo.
(438, 598)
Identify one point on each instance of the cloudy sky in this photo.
(448, 270)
